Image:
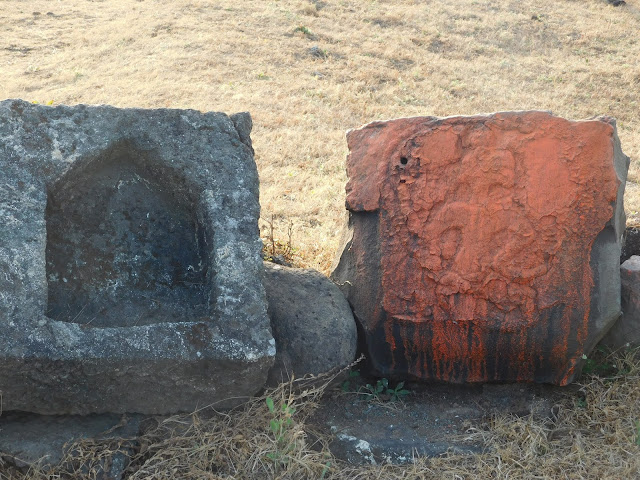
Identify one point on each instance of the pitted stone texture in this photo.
(130, 267)
(630, 243)
(311, 321)
(626, 331)
(484, 248)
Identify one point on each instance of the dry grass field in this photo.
(308, 71)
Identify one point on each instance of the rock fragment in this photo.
(311, 321)
(626, 331)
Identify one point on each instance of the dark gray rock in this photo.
(311, 321)
(27, 438)
(428, 422)
(626, 331)
(318, 52)
(630, 243)
(130, 267)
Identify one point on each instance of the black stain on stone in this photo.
(199, 336)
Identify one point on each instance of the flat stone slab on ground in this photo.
(130, 260)
(28, 438)
(483, 248)
(431, 421)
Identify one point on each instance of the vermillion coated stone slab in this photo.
(484, 248)
(130, 267)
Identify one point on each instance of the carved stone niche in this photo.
(130, 269)
(124, 248)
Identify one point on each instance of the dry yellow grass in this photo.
(374, 60)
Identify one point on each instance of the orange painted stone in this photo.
(483, 248)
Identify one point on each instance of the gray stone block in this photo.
(130, 268)
(626, 331)
(27, 438)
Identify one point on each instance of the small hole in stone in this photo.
(403, 181)
(404, 160)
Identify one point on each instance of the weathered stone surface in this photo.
(130, 268)
(430, 421)
(27, 438)
(630, 243)
(311, 321)
(484, 248)
(626, 331)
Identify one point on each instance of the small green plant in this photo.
(275, 250)
(599, 364)
(382, 392)
(348, 383)
(280, 426)
(325, 470)
(397, 393)
(304, 30)
(374, 391)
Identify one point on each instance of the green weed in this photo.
(381, 391)
(275, 250)
(304, 30)
(280, 426)
(599, 364)
(348, 383)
